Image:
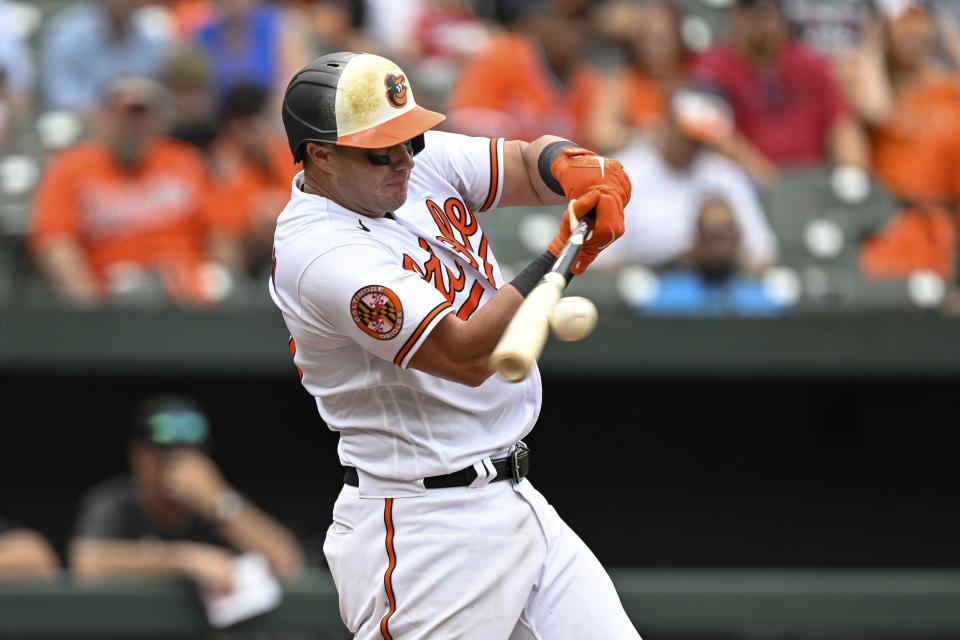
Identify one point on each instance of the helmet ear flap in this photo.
(419, 143)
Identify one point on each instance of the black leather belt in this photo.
(514, 467)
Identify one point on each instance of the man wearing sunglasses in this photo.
(394, 302)
(175, 514)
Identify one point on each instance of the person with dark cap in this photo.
(788, 107)
(175, 515)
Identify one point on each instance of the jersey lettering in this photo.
(436, 272)
(458, 226)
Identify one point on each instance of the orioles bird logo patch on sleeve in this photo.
(377, 311)
(396, 90)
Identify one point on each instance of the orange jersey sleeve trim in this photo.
(391, 565)
(471, 303)
(494, 176)
(418, 332)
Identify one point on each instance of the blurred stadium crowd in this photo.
(787, 156)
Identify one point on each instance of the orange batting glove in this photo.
(591, 183)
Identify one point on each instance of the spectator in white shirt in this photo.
(673, 172)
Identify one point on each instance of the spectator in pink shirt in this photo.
(788, 108)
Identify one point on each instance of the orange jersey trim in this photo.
(471, 303)
(419, 332)
(391, 565)
(292, 344)
(494, 175)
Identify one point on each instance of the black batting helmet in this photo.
(355, 100)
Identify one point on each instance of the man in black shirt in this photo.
(175, 514)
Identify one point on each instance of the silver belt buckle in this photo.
(520, 456)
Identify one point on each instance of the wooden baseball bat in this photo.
(523, 339)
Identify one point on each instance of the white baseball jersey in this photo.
(360, 295)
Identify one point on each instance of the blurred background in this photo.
(763, 426)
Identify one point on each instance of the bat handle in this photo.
(570, 251)
(523, 339)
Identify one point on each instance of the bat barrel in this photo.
(524, 337)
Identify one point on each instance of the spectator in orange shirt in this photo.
(531, 80)
(913, 113)
(635, 97)
(253, 170)
(129, 205)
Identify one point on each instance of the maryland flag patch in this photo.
(377, 311)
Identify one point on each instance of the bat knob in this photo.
(513, 367)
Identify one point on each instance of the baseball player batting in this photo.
(394, 302)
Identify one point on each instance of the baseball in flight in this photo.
(573, 318)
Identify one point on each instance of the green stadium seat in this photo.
(711, 14)
(820, 237)
(504, 229)
(7, 274)
(802, 195)
(602, 288)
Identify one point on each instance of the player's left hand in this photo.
(591, 183)
(193, 480)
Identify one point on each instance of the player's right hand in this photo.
(607, 226)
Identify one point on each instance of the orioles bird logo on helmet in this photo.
(396, 89)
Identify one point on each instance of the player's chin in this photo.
(395, 195)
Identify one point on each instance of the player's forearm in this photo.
(253, 530)
(460, 350)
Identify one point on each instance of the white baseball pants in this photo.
(490, 563)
